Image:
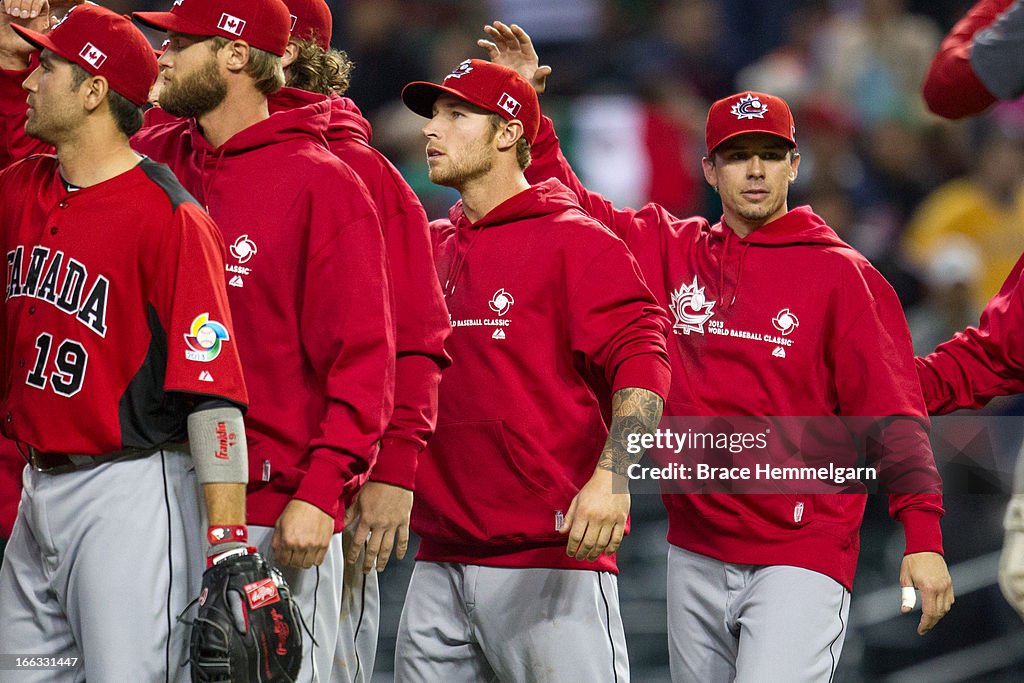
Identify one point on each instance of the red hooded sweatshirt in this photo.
(307, 278)
(848, 353)
(421, 318)
(547, 308)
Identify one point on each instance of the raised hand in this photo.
(511, 46)
(37, 15)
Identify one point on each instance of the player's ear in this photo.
(710, 172)
(236, 55)
(93, 91)
(794, 165)
(509, 134)
(291, 53)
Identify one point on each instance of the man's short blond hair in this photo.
(264, 67)
(522, 144)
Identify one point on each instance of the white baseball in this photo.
(206, 337)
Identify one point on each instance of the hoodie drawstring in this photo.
(458, 264)
(739, 270)
(721, 264)
(739, 273)
(207, 178)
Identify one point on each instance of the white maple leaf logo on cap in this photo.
(460, 71)
(749, 107)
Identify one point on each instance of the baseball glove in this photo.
(247, 628)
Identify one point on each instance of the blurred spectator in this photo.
(754, 28)
(948, 276)
(981, 212)
(875, 57)
(790, 70)
(552, 23)
(673, 144)
(393, 42)
(683, 46)
(897, 177)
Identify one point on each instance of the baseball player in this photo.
(978, 63)
(17, 60)
(752, 576)
(521, 501)
(306, 276)
(377, 517)
(117, 343)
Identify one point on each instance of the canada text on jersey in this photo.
(40, 280)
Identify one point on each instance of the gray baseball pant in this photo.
(356, 651)
(317, 592)
(751, 623)
(464, 622)
(101, 562)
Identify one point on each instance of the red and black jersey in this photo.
(115, 315)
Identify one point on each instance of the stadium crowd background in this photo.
(937, 206)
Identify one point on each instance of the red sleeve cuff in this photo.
(649, 371)
(930, 385)
(396, 463)
(922, 531)
(322, 485)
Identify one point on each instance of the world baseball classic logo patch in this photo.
(204, 339)
(243, 248)
(261, 593)
(93, 55)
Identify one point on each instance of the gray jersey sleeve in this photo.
(997, 55)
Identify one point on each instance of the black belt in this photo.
(58, 463)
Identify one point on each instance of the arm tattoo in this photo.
(634, 411)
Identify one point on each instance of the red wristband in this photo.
(235, 533)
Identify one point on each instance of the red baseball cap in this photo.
(749, 112)
(264, 24)
(311, 20)
(493, 87)
(104, 43)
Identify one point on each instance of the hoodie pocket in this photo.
(777, 511)
(474, 489)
